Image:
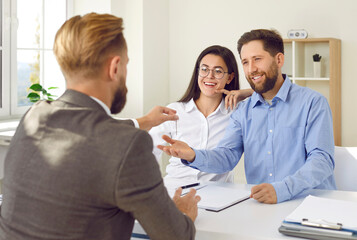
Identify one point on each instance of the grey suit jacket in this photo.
(73, 172)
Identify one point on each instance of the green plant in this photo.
(40, 93)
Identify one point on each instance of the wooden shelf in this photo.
(311, 40)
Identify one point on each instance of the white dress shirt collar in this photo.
(107, 110)
(105, 107)
(189, 106)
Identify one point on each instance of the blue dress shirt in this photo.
(288, 144)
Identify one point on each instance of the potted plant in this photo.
(40, 93)
(317, 65)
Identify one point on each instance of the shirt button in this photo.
(270, 174)
(269, 152)
(270, 130)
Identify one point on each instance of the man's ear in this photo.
(114, 67)
(280, 59)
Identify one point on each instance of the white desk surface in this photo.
(251, 219)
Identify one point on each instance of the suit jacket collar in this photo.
(80, 99)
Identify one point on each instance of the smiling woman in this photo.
(213, 74)
(203, 116)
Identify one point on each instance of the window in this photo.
(28, 29)
(4, 57)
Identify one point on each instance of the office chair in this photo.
(346, 168)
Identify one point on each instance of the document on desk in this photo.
(216, 198)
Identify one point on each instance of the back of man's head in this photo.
(271, 39)
(83, 44)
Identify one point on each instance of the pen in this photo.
(190, 185)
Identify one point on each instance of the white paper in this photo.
(217, 198)
(331, 210)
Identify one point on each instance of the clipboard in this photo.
(299, 230)
(322, 218)
(321, 223)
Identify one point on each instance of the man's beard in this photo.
(119, 98)
(270, 79)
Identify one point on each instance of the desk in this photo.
(251, 219)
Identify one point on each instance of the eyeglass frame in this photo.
(209, 71)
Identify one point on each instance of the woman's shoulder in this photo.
(178, 106)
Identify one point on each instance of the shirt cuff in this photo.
(282, 191)
(185, 162)
(136, 124)
(197, 162)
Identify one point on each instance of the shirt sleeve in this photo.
(319, 147)
(140, 191)
(226, 155)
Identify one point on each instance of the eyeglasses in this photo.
(218, 72)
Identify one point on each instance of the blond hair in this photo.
(83, 44)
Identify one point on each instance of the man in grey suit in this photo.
(74, 172)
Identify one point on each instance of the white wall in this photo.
(146, 26)
(132, 13)
(81, 7)
(156, 53)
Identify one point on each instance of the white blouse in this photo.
(198, 132)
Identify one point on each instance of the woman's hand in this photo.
(234, 96)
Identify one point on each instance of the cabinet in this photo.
(299, 67)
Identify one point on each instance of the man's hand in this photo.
(234, 96)
(177, 149)
(156, 116)
(264, 193)
(188, 203)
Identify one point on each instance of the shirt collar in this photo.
(190, 105)
(282, 93)
(222, 107)
(105, 107)
(284, 89)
